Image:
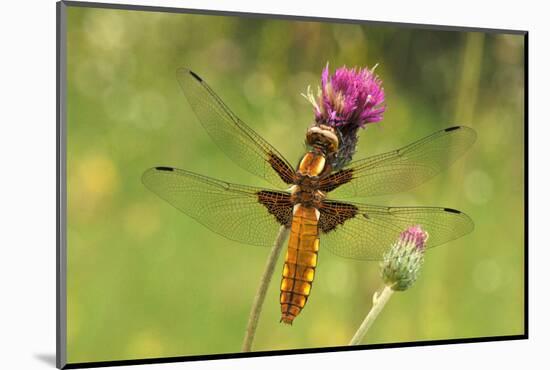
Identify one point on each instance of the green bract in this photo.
(401, 264)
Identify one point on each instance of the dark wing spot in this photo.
(335, 180)
(451, 210)
(164, 168)
(196, 76)
(334, 214)
(278, 204)
(452, 128)
(285, 173)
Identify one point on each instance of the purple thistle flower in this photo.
(349, 99)
(401, 264)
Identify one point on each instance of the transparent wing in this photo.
(245, 214)
(242, 144)
(365, 232)
(401, 169)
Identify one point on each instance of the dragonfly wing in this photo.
(401, 169)
(242, 144)
(242, 213)
(365, 232)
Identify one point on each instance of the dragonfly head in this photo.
(323, 137)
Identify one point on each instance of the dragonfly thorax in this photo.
(307, 196)
(313, 164)
(311, 168)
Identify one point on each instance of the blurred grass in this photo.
(146, 281)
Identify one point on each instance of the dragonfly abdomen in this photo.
(300, 262)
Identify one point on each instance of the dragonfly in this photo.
(308, 198)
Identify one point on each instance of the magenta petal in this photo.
(416, 235)
(324, 77)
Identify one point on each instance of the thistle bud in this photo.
(402, 262)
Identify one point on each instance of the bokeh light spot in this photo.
(142, 220)
(106, 29)
(478, 187)
(153, 110)
(119, 103)
(146, 344)
(258, 86)
(94, 180)
(92, 77)
(224, 55)
(340, 280)
(487, 275)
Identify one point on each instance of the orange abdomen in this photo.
(300, 262)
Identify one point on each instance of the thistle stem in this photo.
(262, 289)
(378, 303)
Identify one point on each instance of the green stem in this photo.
(262, 289)
(378, 303)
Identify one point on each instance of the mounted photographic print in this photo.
(234, 185)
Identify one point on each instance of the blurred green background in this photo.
(144, 280)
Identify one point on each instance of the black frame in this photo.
(61, 191)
